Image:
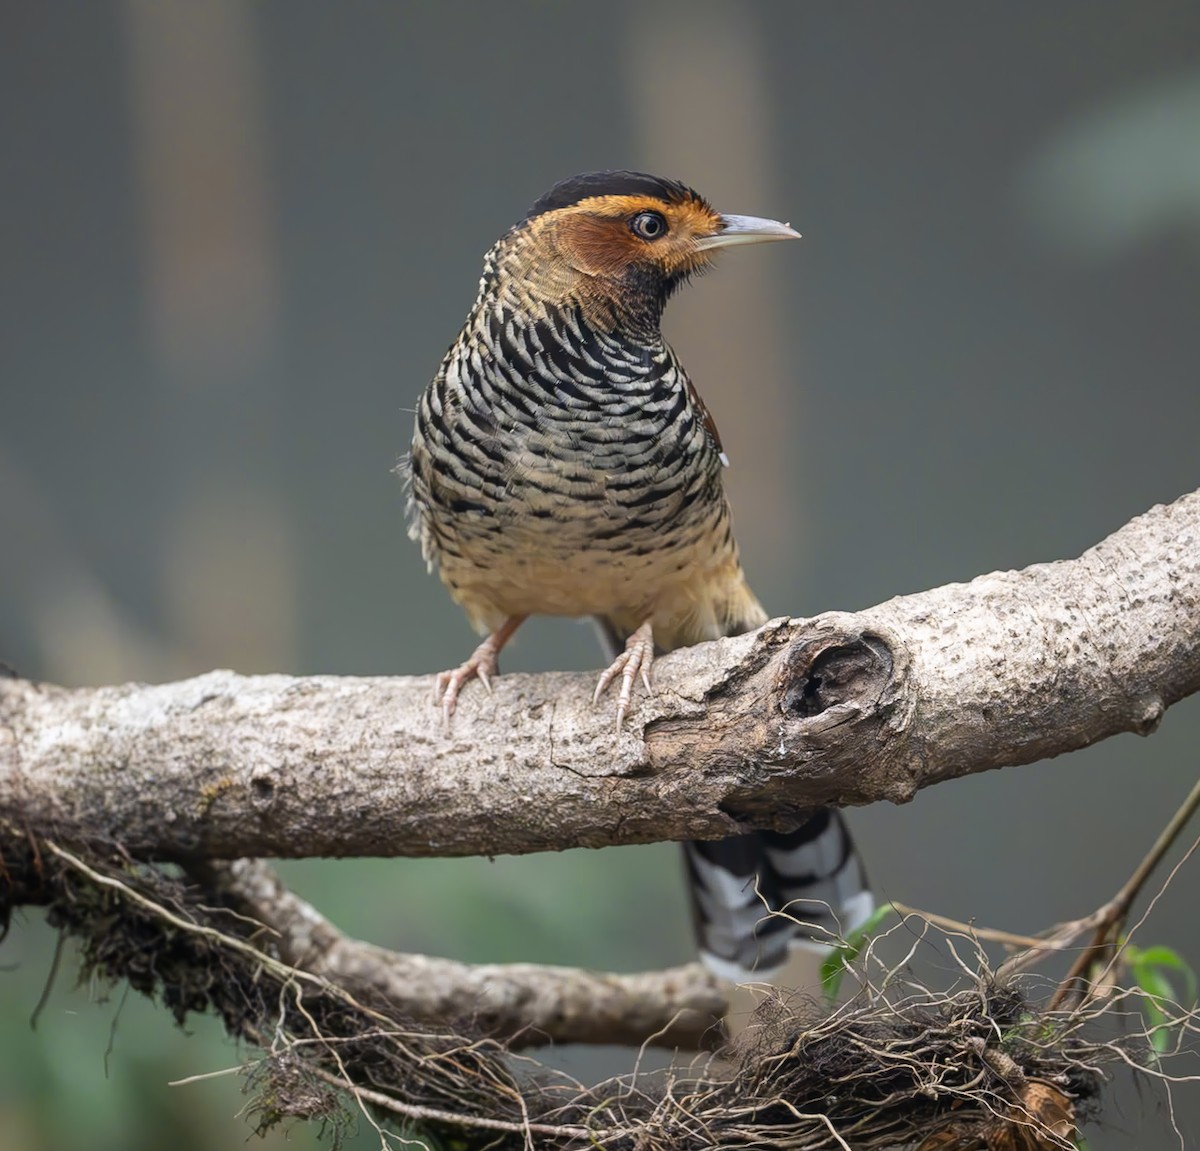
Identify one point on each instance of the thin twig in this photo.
(1110, 918)
(420, 1112)
(1125, 897)
(1008, 938)
(51, 978)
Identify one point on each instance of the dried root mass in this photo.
(981, 1068)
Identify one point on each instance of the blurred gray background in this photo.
(236, 239)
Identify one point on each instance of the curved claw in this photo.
(483, 664)
(635, 660)
(450, 683)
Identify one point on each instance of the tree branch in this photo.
(751, 731)
(528, 1004)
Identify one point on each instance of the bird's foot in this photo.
(483, 664)
(636, 659)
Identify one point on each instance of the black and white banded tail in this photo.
(757, 897)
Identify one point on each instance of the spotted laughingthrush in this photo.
(564, 464)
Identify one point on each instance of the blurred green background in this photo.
(235, 240)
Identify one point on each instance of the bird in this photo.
(563, 463)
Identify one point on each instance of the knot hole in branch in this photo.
(823, 672)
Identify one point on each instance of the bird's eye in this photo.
(648, 225)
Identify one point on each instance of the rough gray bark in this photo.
(840, 709)
(527, 1003)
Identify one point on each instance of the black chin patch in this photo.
(572, 190)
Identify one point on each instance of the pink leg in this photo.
(481, 666)
(636, 658)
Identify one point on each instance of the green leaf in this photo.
(845, 952)
(1148, 967)
(1166, 957)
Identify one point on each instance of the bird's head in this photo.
(619, 243)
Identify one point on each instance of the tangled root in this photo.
(981, 1068)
